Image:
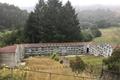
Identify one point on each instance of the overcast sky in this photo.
(31, 3)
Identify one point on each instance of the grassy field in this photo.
(109, 35)
(89, 59)
(48, 65)
(45, 64)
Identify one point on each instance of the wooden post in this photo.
(12, 77)
(83, 78)
(50, 76)
(74, 77)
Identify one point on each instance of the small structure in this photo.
(103, 49)
(11, 56)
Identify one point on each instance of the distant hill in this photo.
(98, 16)
(94, 7)
(11, 16)
(81, 8)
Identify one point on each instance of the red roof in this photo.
(8, 49)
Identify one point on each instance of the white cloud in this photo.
(29, 3)
(92, 2)
(21, 3)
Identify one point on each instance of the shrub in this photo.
(55, 56)
(86, 36)
(95, 32)
(113, 62)
(61, 61)
(77, 65)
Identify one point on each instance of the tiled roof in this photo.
(8, 49)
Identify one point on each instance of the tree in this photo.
(52, 22)
(86, 36)
(70, 23)
(12, 17)
(12, 37)
(33, 29)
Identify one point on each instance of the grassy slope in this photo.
(110, 35)
(49, 65)
(94, 63)
(89, 59)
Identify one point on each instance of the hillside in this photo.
(109, 35)
(39, 68)
(11, 16)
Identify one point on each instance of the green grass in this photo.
(94, 63)
(89, 59)
(109, 35)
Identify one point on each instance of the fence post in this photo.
(12, 78)
(50, 76)
(83, 78)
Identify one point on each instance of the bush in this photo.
(86, 36)
(90, 33)
(55, 56)
(12, 37)
(113, 62)
(77, 65)
(61, 61)
(95, 32)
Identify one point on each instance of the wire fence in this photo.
(25, 74)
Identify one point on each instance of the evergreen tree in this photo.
(52, 22)
(71, 28)
(31, 30)
(34, 27)
(52, 19)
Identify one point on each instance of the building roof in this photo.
(8, 49)
(54, 44)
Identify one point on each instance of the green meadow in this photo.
(109, 35)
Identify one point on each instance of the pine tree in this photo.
(52, 22)
(31, 29)
(34, 27)
(70, 23)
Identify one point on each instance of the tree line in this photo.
(11, 16)
(51, 21)
(101, 18)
